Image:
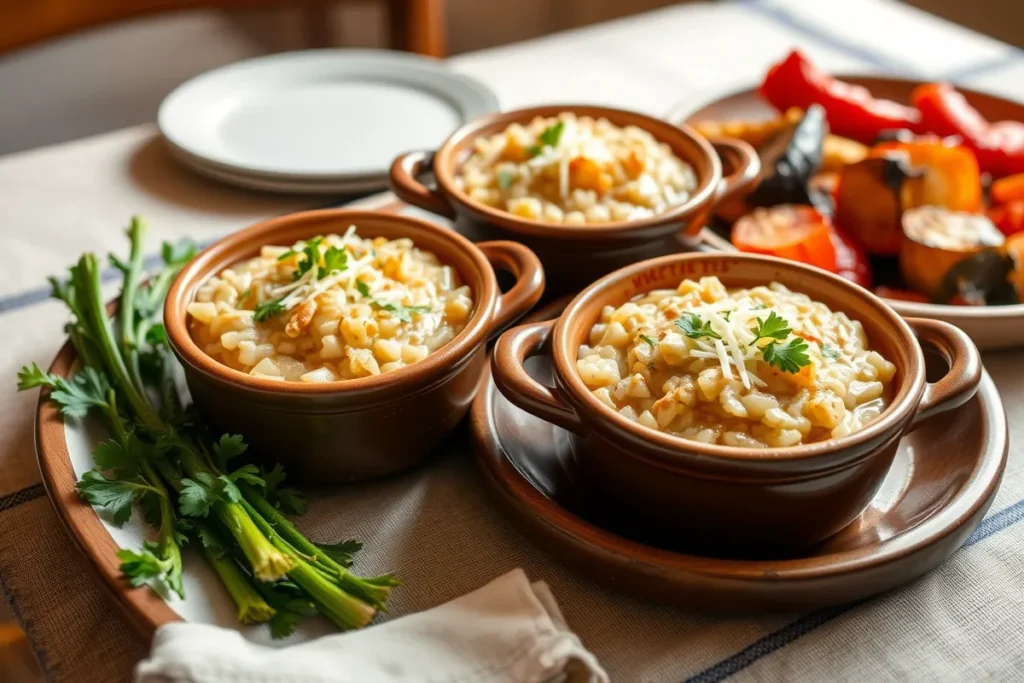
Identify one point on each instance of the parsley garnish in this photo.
(693, 327)
(506, 178)
(198, 495)
(334, 259)
(341, 552)
(268, 309)
(363, 288)
(648, 340)
(726, 314)
(548, 137)
(403, 313)
(829, 351)
(788, 357)
(773, 327)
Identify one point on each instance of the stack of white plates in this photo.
(317, 122)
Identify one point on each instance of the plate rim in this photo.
(429, 68)
(962, 513)
(683, 110)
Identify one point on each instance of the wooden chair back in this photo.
(415, 25)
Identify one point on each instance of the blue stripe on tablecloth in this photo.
(787, 634)
(808, 28)
(1013, 57)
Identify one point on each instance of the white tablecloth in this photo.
(964, 621)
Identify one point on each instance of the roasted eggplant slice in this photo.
(789, 161)
(938, 241)
(986, 278)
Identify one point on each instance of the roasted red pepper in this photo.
(851, 262)
(998, 146)
(1009, 189)
(852, 111)
(1009, 217)
(950, 175)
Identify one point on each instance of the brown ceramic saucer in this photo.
(991, 327)
(944, 477)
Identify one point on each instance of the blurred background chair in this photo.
(72, 68)
(416, 25)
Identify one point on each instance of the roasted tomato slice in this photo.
(851, 262)
(790, 231)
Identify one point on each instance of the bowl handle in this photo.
(529, 287)
(960, 383)
(740, 157)
(512, 380)
(404, 183)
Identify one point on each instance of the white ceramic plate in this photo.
(321, 116)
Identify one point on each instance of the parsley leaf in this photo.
(364, 289)
(774, 327)
(227, 447)
(403, 313)
(248, 474)
(548, 137)
(268, 309)
(726, 314)
(156, 334)
(197, 495)
(334, 259)
(87, 389)
(829, 351)
(283, 497)
(647, 340)
(788, 357)
(114, 495)
(310, 256)
(177, 254)
(693, 327)
(341, 552)
(143, 566)
(506, 178)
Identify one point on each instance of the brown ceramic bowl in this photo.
(576, 255)
(720, 498)
(360, 428)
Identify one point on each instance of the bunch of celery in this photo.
(185, 482)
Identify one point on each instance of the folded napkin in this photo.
(509, 631)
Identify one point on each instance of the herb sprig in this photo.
(548, 137)
(403, 313)
(772, 327)
(693, 327)
(788, 357)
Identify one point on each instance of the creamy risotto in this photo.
(575, 170)
(330, 308)
(755, 368)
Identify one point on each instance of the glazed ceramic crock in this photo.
(366, 427)
(576, 255)
(720, 498)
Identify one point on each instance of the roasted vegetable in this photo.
(789, 161)
(999, 146)
(937, 239)
(838, 152)
(794, 232)
(851, 110)
(1014, 248)
(949, 174)
(851, 262)
(869, 202)
(1008, 189)
(754, 133)
(1009, 218)
(986, 278)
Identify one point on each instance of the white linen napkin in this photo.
(509, 631)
